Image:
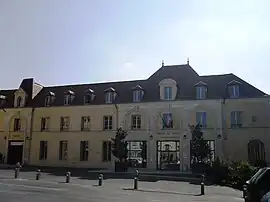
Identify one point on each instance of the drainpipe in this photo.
(31, 133)
(223, 125)
(117, 115)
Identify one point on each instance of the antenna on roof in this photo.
(188, 61)
(162, 63)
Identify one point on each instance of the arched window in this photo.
(256, 151)
(19, 101)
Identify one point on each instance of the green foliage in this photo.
(239, 173)
(119, 145)
(219, 171)
(200, 149)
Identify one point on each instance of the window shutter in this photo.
(204, 119)
(61, 122)
(82, 123)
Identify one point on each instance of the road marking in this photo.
(33, 187)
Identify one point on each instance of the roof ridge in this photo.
(98, 83)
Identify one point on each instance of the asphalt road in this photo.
(53, 188)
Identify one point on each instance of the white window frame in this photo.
(67, 99)
(235, 91)
(86, 122)
(238, 122)
(137, 95)
(109, 97)
(202, 92)
(168, 94)
(65, 123)
(138, 122)
(107, 122)
(46, 127)
(48, 100)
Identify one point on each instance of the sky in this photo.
(60, 42)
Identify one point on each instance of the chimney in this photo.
(162, 64)
(187, 61)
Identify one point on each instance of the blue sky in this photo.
(84, 41)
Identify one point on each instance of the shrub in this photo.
(218, 173)
(239, 173)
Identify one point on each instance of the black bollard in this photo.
(16, 173)
(244, 191)
(135, 183)
(100, 179)
(202, 186)
(38, 175)
(137, 173)
(68, 177)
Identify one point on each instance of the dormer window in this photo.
(19, 101)
(50, 96)
(234, 89)
(167, 93)
(88, 96)
(69, 96)
(201, 90)
(2, 100)
(109, 95)
(137, 93)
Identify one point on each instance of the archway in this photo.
(256, 152)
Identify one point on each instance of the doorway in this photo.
(168, 155)
(15, 152)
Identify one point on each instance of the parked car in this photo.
(258, 187)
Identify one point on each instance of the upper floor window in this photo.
(201, 92)
(201, 119)
(85, 123)
(167, 120)
(17, 124)
(167, 93)
(88, 96)
(233, 91)
(107, 122)
(2, 100)
(69, 96)
(236, 119)
(137, 95)
(64, 123)
(19, 101)
(49, 99)
(136, 122)
(44, 123)
(109, 95)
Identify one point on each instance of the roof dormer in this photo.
(89, 96)
(2, 100)
(137, 93)
(110, 95)
(19, 98)
(68, 97)
(234, 89)
(49, 98)
(201, 90)
(168, 89)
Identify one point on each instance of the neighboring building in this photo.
(72, 125)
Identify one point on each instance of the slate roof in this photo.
(185, 76)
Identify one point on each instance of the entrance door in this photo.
(15, 152)
(168, 155)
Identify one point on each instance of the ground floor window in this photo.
(137, 153)
(63, 150)
(168, 155)
(84, 150)
(106, 151)
(43, 149)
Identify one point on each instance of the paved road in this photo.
(52, 188)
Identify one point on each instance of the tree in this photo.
(200, 150)
(119, 145)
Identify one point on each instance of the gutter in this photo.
(31, 134)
